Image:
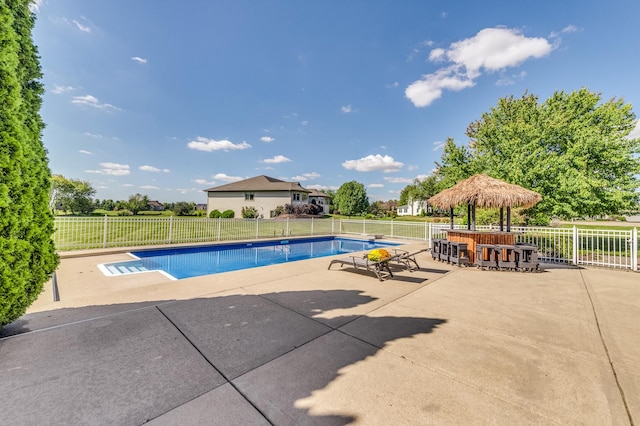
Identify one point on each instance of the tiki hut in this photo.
(484, 191)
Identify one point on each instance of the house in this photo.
(155, 206)
(320, 199)
(264, 193)
(414, 208)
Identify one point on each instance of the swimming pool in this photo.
(187, 262)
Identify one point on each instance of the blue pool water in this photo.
(189, 262)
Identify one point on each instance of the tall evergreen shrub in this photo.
(27, 253)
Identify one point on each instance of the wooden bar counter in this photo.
(477, 237)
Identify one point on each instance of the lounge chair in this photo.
(407, 259)
(380, 269)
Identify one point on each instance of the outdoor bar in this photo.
(493, 248)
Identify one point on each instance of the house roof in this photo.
(259, 183)
(316, 193)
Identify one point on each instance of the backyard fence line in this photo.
(575, 246)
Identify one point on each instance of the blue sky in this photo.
(168, 98)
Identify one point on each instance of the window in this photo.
(249, 196)
(296, 196)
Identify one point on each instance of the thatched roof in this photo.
(485, 191)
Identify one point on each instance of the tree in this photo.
(455, 165)
(183, 208)
(72, 195)
(571, 149)
(351, 198)
(27, 254)
(137, 203)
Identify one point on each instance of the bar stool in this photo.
(458, 253)
(445, 251)
(435, 248)
(489, 259)
(507, 257)
(527, 257)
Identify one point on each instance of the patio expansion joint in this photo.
(212, 366)
(606, 349)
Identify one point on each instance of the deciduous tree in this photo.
(351, 198)
(572, 149)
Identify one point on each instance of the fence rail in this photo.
(597, 247)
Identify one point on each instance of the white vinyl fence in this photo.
(597, 247)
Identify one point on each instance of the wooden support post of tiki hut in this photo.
(451, 216)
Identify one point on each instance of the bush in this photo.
(215, 214)
(125, 213)
(278, 211)
(228, 214)
(249, 212)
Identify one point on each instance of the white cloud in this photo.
(92, 101)
(153, 169)
(82, 151)
(412, 167)
(275, 160)
(204, 144)
(93, 135)
(635, 133)
(306, 176)
(139, 60)
(398, 179)
(203, 182)
(376, 185)
(113, 169)
(267, 139)
(81, 27)
(438, 145)
(347, 109)
(422, 177)
(373, 162)
(305, 123)
(149, 187)
(321, 187)
(509, 80)
(57, 89)
(490, 50)
(225, 178)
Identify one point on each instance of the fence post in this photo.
(575, 245)
(634, 249)
(364, 227)
(311, 226)
(219, 226)
(287, 227)
(392, 228)
(333, 231)
(426, 229)
(257, 228)
(430, 234)
(104, 235)
(170, 229)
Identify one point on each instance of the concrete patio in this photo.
(299, 344)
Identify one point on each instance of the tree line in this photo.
(75, 196)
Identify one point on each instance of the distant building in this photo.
(264, 193)
(414, 208)
(156, 206)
